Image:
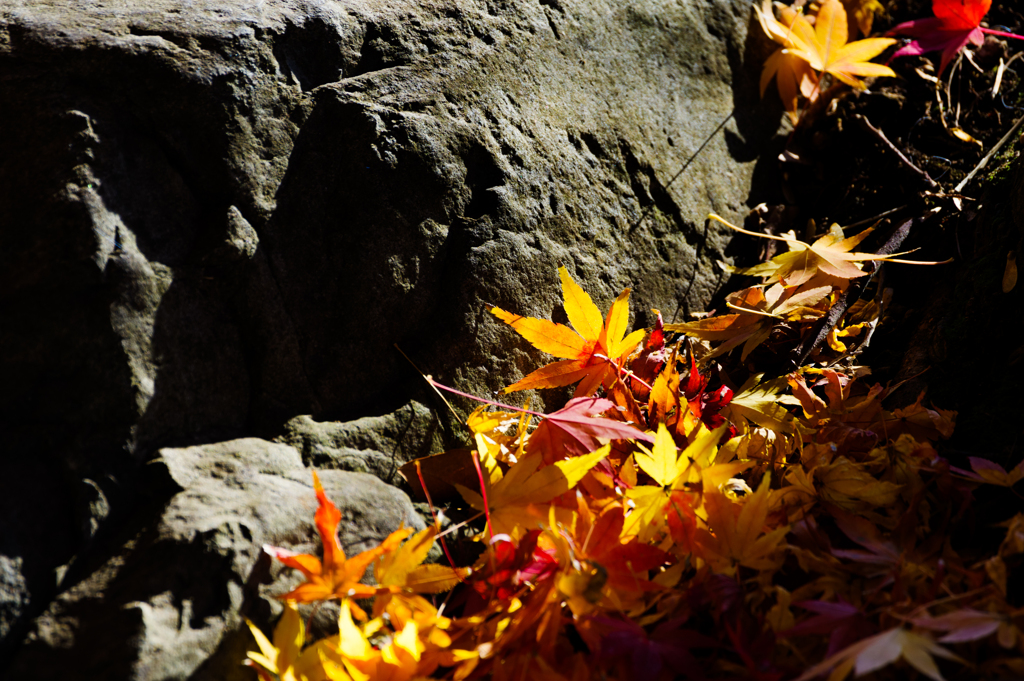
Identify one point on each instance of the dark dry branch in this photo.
(852, 294)
(864, 123)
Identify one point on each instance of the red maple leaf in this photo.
(706, 404)
(956, 23)
(623, 562)
(645, 655)
(842, 621)
(754, 648)
(505, 568)
(575, 430)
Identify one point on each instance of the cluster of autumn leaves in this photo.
(687, 514)
(792, 527)
(815, 45)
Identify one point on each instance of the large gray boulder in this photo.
(216, 220)
(169, 604)
(373, 444)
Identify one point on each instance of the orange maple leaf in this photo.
(625, 562)
(736, 532)
(336, 576)
(593, 352)
(793, 75)
(822, 47)
(829, 255)
(830, 53)
(758, 311)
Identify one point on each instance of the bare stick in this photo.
(685, 166)
(432, 385)
(932, 184)
(437, 524)
(851, 295)
(988, 157)
(875, 218)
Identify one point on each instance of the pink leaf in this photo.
(880, 551)
(962, 625)
(844, 622)
(574, 430)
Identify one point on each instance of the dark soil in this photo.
(950, 329)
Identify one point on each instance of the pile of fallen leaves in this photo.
(672, 528)
(728, 497)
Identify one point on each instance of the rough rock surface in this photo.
(218, 218)
(372, 444)
(178, 588)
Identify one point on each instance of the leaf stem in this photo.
(436, 385)
(716, 218)
(483, 491)
(628, 373)
(1003, 34)
(430, 504)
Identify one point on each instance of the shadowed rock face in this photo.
(216, 219)
(177, 589)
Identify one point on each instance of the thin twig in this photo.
(686, 165)
(437, 523)
(988, 157)
(501, 405)
(932, 184)
(1003, 67)
(851, 295)
(875, 218)
(475, 456)
(432, 385)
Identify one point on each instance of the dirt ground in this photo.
(949, 329)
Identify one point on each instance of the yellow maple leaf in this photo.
(669, 470)
(848, 485)
(821, 48)
(830, 255)
(284, 656)
(736, 538)
(494, 432)
(830, 53)
(881, 650)
(593, 352)
(793, 76)
(402, 569)
(353, 658)
(672, 471)
(513, 499)
(664, 464)
(760, 403)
